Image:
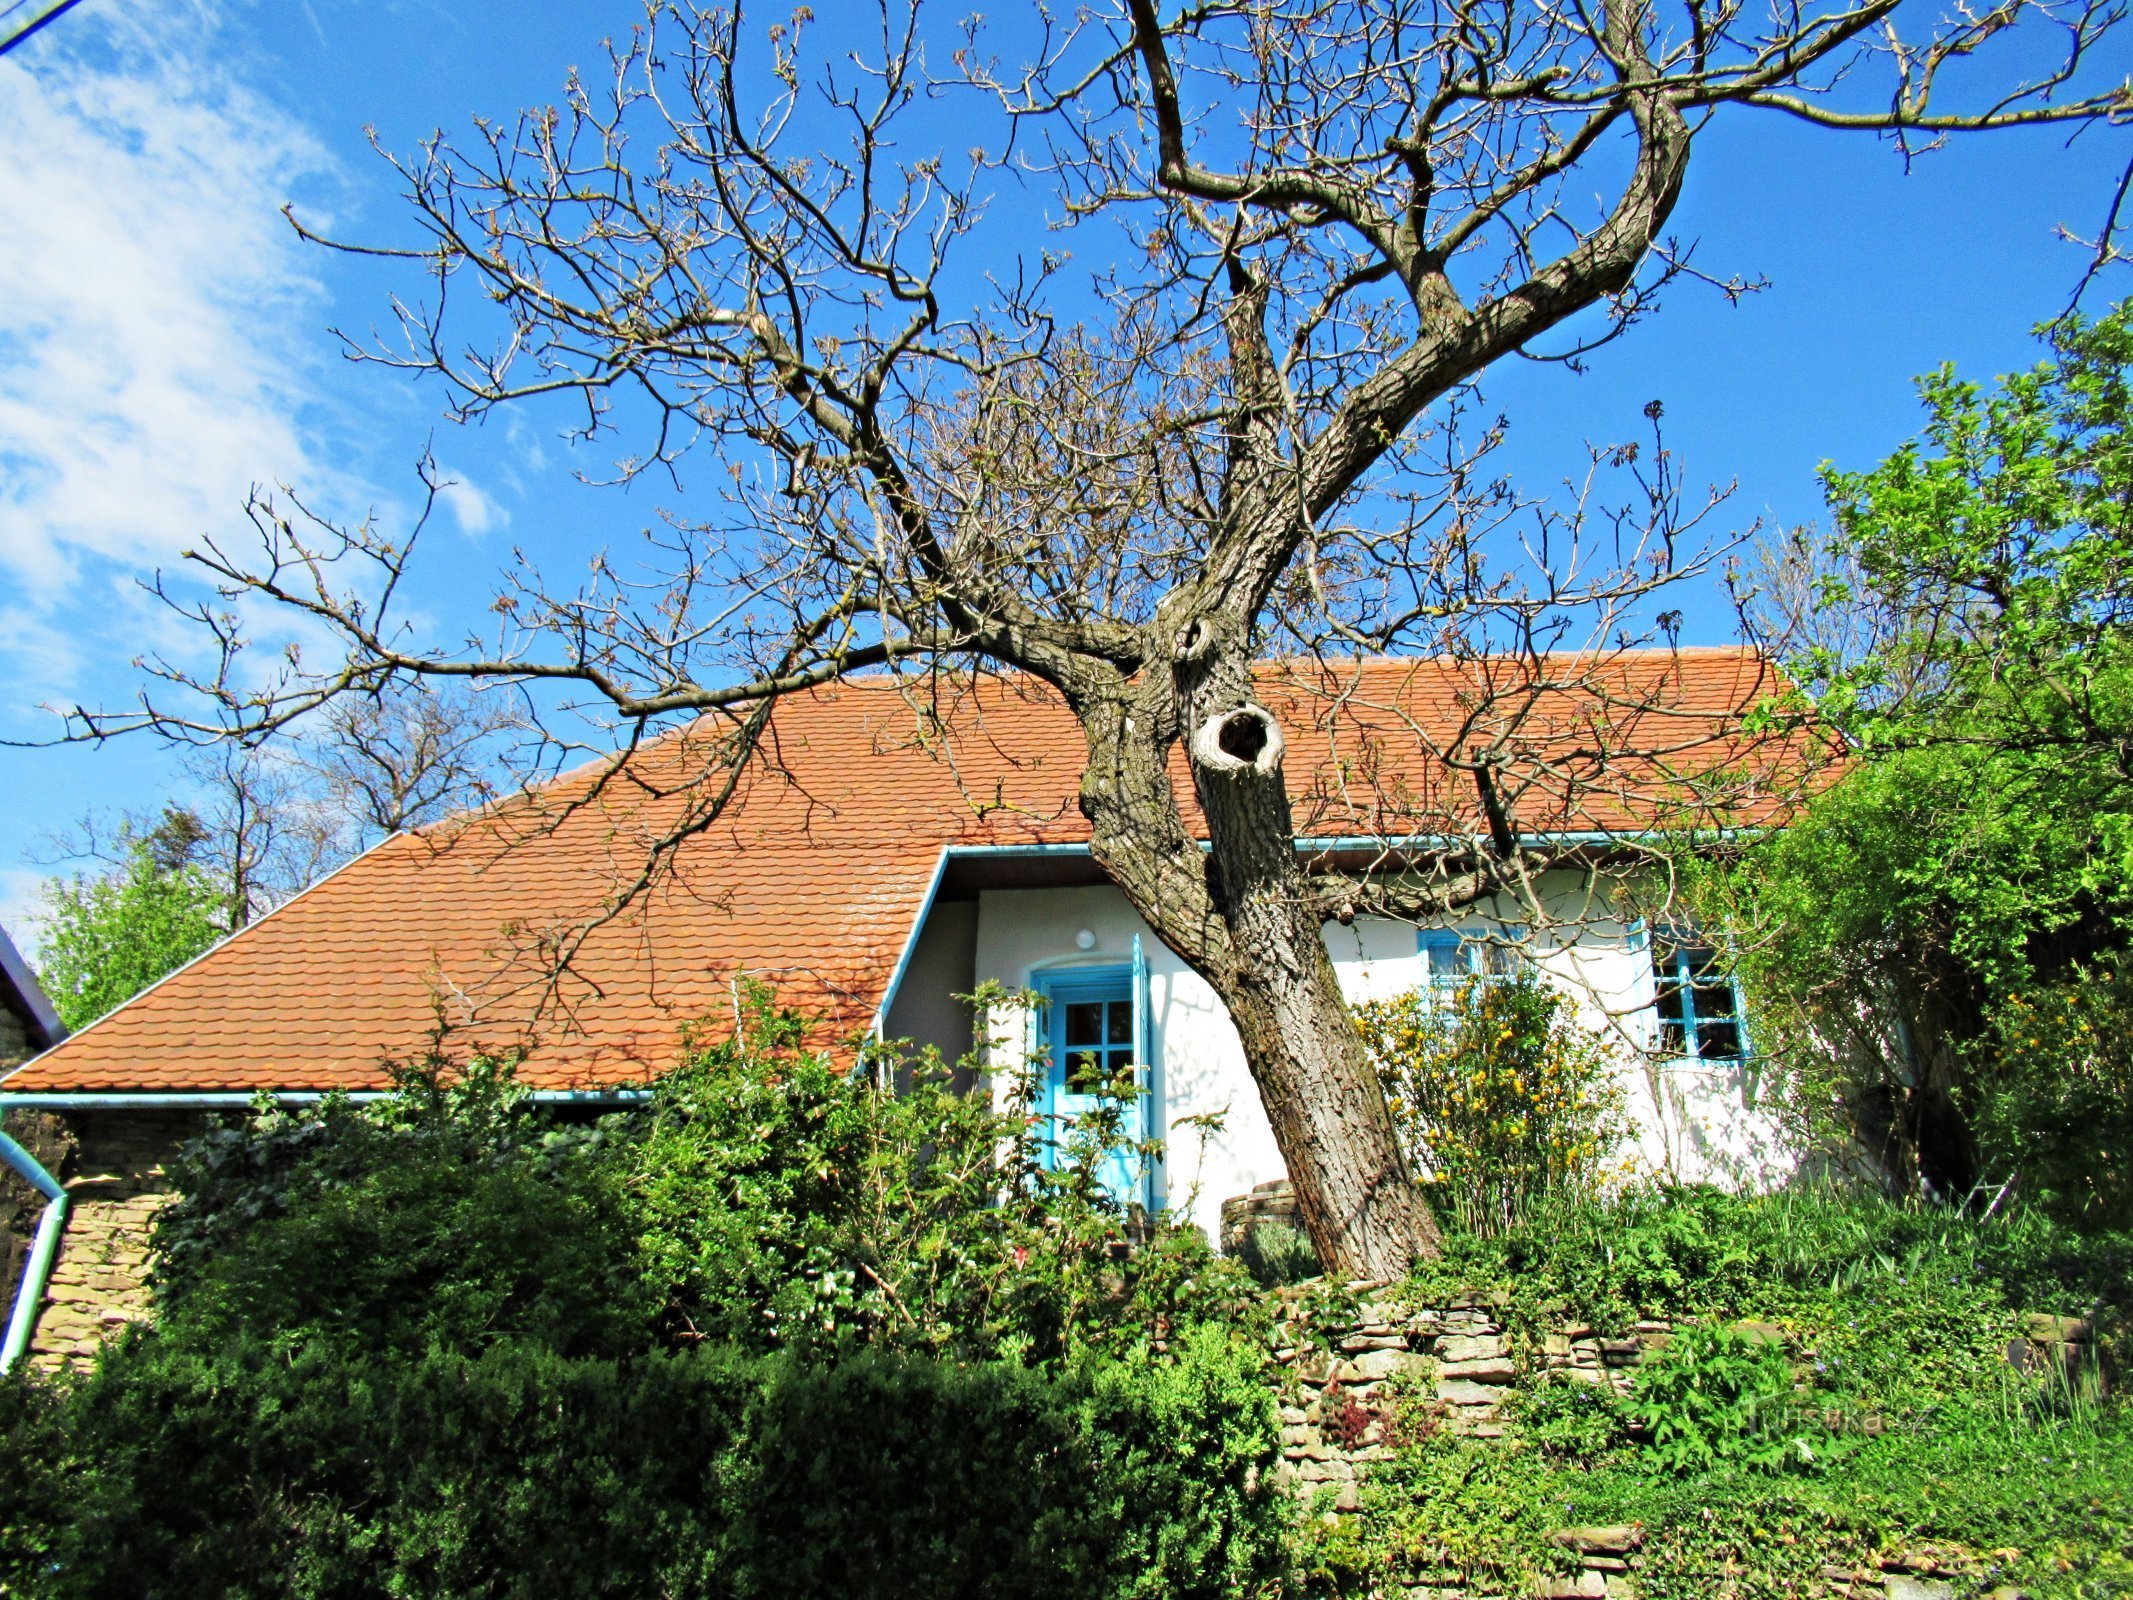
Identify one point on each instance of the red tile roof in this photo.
(814, 876)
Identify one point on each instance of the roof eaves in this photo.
(238, 1099)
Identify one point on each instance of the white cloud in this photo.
(158, 317)
(474, 511)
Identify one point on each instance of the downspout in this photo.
(37, 1270)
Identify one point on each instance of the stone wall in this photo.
(1451, 1365)
(116, 1184)
(1421, 1368)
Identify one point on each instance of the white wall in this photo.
(1691, 1120)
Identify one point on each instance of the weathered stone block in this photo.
(1496, 1369)
(1602, 1539)
(1464, 1392)
(1373, 1365)
(1469, 1347)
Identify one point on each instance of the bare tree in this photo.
(404, 755)
(844, 276)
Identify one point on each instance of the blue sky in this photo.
(164, 344)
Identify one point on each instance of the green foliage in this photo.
(1869, 1408)
(36, 1492)
(1502, 1097)
(2046, 1508)
(781, 1202)
(762, 1197)
(447, 1344)
(1999, 557)
(1568, 1420)
(1979, 842)
(102, 940)
(450, 1216)
(1143, 1477)
(1721, 1394)
(1276, 1254)
(2054, 1092)
(232, 1470)
(1701, 1252)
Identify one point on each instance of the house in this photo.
(902, 842)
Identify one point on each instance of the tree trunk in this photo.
(1247, 923)
(1366, 1218)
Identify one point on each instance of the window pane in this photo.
(1673, 1036)
(1714, 1001)
(1718, 1040)
(1122, 1070)
(1119, 1022)
(1669, 1000)
(1084, 1071)
(1084, 1023)
(1445, 957)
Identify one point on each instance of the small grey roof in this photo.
(22, 994)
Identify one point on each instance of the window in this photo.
(1451, 960)
(1699, 1009)
(1096, 1043)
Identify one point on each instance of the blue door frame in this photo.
(1095, 1025)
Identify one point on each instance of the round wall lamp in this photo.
(1085, 940)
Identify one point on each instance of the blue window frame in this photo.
(1699, 1004)
(1448, 960)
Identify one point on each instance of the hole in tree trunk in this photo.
(1243, 736)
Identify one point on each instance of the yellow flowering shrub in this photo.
(1502, 1097)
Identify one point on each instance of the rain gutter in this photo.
(37, 1270)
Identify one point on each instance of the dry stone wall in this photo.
(1396, 1366)
(116, 1182)
(1349, 1390)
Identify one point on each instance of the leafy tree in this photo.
(1129, 457)
(104, 939)
(1969, 627)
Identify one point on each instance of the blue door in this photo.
(1093, 1025)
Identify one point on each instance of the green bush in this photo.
(763, 1197)
(1718, 1394)
(2052, 1093)
(453, 1214)
(779, 1332)
(240, 1470)
(1701, 1252)
(891, 1476)
(781, 1201)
